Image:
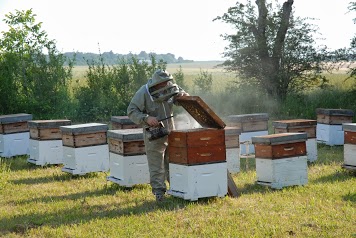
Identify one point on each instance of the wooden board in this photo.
(196, 137)
(45, 133)
(250, 126)
(294, 123)
(83, 140)
(15, 127)
(333, 119)
(280, 151)
(126, 148)
(201, 112)
(350, 137)
(197, 155)
(231, 186)
(311, 131)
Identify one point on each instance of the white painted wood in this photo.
(246, 136)
(198, 181)
(350, 154)
(330, 134)
(86, 159)
(312, 151)
(233, 160)
(14, 144)
(128, 170)
(46, 152)
(279, 173)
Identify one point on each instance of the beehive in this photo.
(350, 145)
(46, 141)
(255, 124)
(281, 159)
(85, 148)
(122, 122)
(329, 125)
(128, 161)
(232, 149)
(301, 126)
(14, 134)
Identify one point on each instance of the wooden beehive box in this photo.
(122, 122)
(350, 145)
(349, 133)
(82, 135)
(296, 125)
(200, 145)
(126, 141)
(249, 122)
(282, 145)
(47, 129)
(334, 116)
(14, 123)
(232, 137)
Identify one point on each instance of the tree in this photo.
(271, 48)
(31, 80)
(352, 7)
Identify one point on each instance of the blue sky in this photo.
(181, 27)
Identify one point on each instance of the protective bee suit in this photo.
(150, 101)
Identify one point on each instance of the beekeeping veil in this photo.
(166, 91)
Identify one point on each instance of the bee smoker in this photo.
(157, 132)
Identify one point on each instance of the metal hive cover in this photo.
(201, 112)
(294, 123)
(335, 112)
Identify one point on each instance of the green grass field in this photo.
(40, 201)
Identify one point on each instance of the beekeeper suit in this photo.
(151, 103)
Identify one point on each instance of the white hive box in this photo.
(85, 148)
(232, 149)
(128, 161)
(251, 125)
(14, 135)
(329, 125)
(350, 146)
(281, 159)
(198, 181)
(46, 141)
(301, 126)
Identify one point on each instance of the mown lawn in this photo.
(46, 202)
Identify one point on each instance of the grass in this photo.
(46, 202)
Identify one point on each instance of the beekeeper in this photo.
(151, 103)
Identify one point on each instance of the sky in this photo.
(184, 28)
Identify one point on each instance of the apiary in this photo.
(350, 145)
(232, 149)
(14, 134)
(255, 124)
(46, 141)
(85, 148)
(122, 122)
(197, 157)
(329, 125)
(128, 160)
(281, 159)
(301, 126)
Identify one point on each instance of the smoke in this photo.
(185, 121)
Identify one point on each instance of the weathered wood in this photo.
(280, 138)
(197, 155)
(82, 140)
(334, 116)
(45, 134)
(15, 127)
(135, 134)
(232, 141)
(123, 122)
(310, 131)
(120, 147)
(231, 186)
(280, 150)
(84, 128)
(249, 122)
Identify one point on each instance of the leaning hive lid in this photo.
(84, 128)
(294, 123)
(13, 118)
(201, 112)
(248, 117)
(335, 112)
(48, 123)
(280, 138)
(126, 134)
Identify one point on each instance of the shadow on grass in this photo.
(339, 175)
(18, 163)
(350, 197)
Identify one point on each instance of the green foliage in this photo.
(32, 81)
(203, 82)
(179, 78)
(271, 49)
(109, 89)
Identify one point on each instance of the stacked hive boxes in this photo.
(349, 146)
(329, 125)
(281, 159)
(232, 149)
(46, 141)
(251, 125)
(122, 122)
(303, 126)
(85, 148)
(14, 134)
(128, 160)
(197, 157)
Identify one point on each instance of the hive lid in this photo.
(349, 127)
(48, 123)
(335, 112)
(294, 123)
(84, 128)
(279, 138)
(12, 118)
(231, 130)
(201, 112)
(248, 117)
(126, 134)
(125, 120)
